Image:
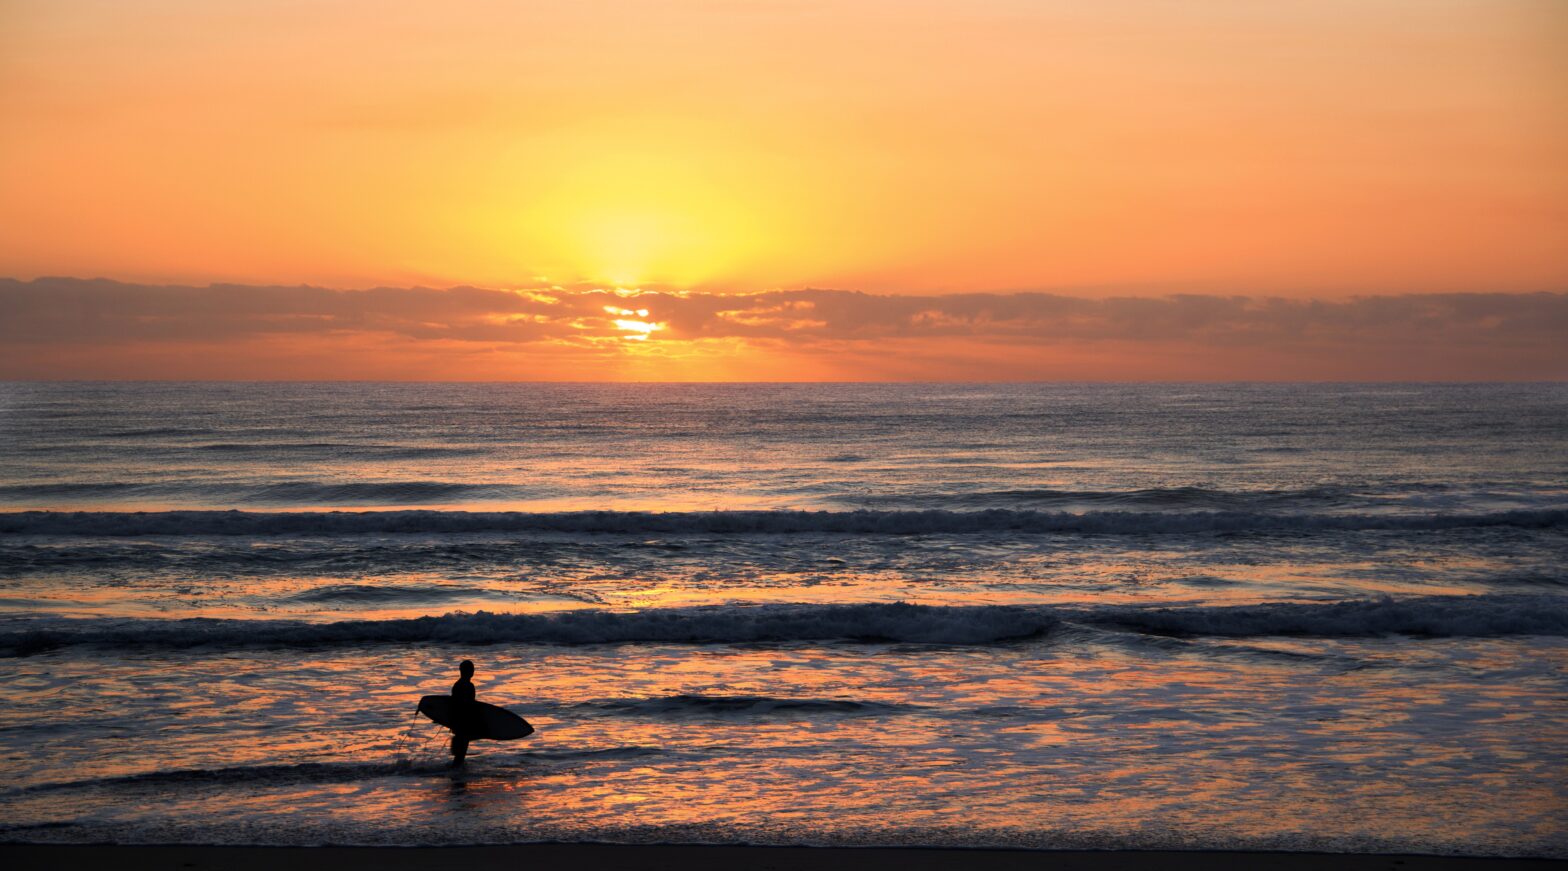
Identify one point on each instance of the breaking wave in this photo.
(1431, 616)
(319, 523)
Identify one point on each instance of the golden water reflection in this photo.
(1279, 739)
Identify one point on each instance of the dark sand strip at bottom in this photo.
(591, 857)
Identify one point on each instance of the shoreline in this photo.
(588, 857)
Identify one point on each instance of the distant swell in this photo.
(1192, 498)
(185, 523)
(340, 450)
(1434, 616)
(304, 493)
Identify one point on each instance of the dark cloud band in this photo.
(62, 310)
(1483, 335)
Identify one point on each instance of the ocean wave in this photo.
(155, 432)
(264, 447)
(1428, 616)
(1191, 498)
(369, 594)
(1431, 616)
(80, 490)
(316, 493)
(279, 493)
(325, 523)
(339, 450)
(318, 772)
(299, 772)
(690, 704)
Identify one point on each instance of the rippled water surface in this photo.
(1284, 616)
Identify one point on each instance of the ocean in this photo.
(1250, 616)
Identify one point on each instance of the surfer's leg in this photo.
(459, 749)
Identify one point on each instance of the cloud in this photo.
(1480, 335)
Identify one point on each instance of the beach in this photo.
(693, 858)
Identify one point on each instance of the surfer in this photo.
(470, 719)
(464, 710)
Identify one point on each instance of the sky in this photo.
(928, 189)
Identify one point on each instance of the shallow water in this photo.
(1327, 617)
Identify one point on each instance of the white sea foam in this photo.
(327, 523)
(1436, 616)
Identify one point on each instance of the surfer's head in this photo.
(466, 668)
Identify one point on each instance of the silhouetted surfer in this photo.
(470, 719)
(464, 711)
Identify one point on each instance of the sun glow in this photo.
(629, 216)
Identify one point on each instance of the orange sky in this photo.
(1324, 146)
(1321, 149)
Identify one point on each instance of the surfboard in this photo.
(491, 723)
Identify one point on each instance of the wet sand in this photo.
(588, 857)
